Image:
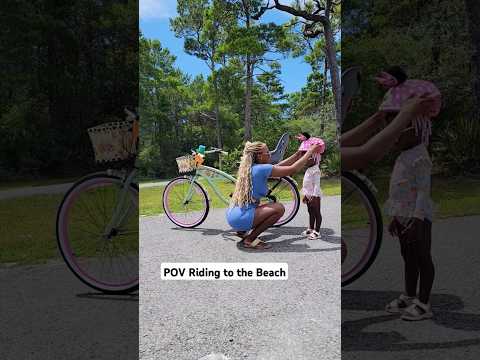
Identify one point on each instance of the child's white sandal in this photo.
(399, 305)
(314, 235)
(307, 232)
(417, 311)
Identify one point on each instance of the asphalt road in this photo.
(46, 313)
(368, 332)
(259, 320)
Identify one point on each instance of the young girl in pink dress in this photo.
(409, 203)
(311, 185)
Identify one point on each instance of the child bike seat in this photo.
(279, 152)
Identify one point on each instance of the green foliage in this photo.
(458, 147)
(230, 161)
(178, 113)
(66, 66)
(430, 40)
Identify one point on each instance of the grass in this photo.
(151, 198)
(453, 197)
(13, 184)
(28, 227)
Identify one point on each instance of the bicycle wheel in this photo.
(283, 190)
(105, 262)
(362, 228)
(185, 202)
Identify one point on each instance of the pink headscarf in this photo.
(307, 143)
(398, 94)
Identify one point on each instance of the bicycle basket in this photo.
(113, 141)
(186, 164)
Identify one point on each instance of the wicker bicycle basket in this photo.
(186, 164)
(113, 142)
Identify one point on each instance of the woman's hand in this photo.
(417, 104)
(314, 148)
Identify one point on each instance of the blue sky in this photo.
(154, 24)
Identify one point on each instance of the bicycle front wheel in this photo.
(283, 190)
(185, 202)
(100, 250)
(362, 228)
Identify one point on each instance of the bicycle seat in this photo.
(279, 152)
(350, 86)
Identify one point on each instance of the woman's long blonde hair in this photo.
(243, 189)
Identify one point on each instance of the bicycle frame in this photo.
(205, 172)
(119, 213)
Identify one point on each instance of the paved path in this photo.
(34, 190)
(54, 189)
(154, 184)
(47, 313)
(368, 332)
(256, 320)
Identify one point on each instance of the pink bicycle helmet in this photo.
(397, 94)
(308, 142)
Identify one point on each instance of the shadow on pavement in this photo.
(356, 338)
(102, 296)
(287, 245)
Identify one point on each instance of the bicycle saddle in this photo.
(279, 152)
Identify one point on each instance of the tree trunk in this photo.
(248, 86)
(248, 101)
(324, 88)
(216, 108)
(472, 8)
(332, 64)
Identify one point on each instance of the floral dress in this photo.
(410, 186)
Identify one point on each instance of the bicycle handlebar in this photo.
(216, 150)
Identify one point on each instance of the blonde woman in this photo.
(245, 215)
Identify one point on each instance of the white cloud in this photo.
(157, 9)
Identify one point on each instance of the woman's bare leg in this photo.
(265, 216)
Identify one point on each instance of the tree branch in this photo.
(301, 13)
(262, 10)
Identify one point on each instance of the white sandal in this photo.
(307, 232)
(417, 311)
(314, 235)
(399, 305)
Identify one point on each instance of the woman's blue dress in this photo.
(241, 218)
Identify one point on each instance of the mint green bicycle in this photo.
(186, 201)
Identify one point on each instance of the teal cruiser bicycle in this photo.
(187, 202)
(97, 221)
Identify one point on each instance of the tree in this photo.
(203, 24)
(318, 15)
(472, 8)
(253, 43)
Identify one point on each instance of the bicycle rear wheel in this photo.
(185, 202)
(283, 190)
(362, 228)
(105, 262)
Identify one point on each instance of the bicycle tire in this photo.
(125, 289)
(285, 220)
(167, 211)
(368, 196)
